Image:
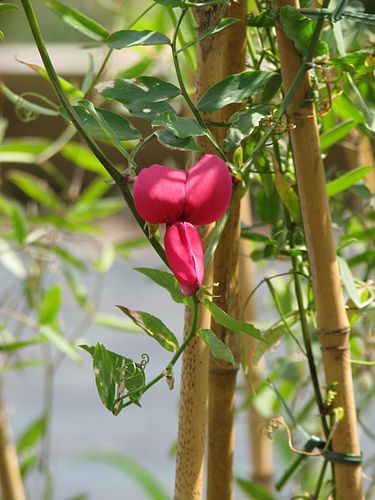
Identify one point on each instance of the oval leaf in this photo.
(218, 349)
(131, 38)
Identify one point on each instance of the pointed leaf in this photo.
(77, 20)
(36, 188)
(179, 126)
(167, 281)
(154, 327)
(59, 342)
(347, 180)
(169, 140)
(235, 88)
(50, 305)
(131, 38)
(218, 349)
(234, 325)
(32, 434)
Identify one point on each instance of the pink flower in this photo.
(181, 199)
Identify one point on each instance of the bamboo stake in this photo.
(222, 376)
(366, 159)
(259, 443)
(194, 380)
(333, 329)
(10, 475)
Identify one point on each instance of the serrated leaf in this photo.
(232, 324)
(218, 348)
(131, 38)
(336, 134)
(169, 140)
(35, 188)
(347, 180)
(119, 124)
(300, 29)
(167, 281)
(154, 327)
(235, 88)
(179, 126)
(50, 305)
(59, 342)
(77, 20)
(243, 123)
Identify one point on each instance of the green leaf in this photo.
(50, 305)
(25, 108)
(223, 24)
(171, 3)
(179, 126)
(357, 63)
(17, 345)
(125, 248)
(167, 281)
(272, 337)
(68, 88)
(254, 490)
(218, 349)
(243, 123)
(4, 6)
(344, 107)
(347, 180)
(94, 190)
(235, 88)
(32, 435)
(115, 373)
(336, 134)
(169, 140)
(232, 324)
(131, 38)
(78, 21)
(150, 484)
(55, 338)
(119, 125)
(83, 157)
(2, 36)
(267, 206)
(78, 290)
(288, 196)
(264, 20)
(145, 98)
(106, 259)
(19, 224)
(300, 29)
(115, 322)
(349, 283)
(10, 260)
(36, 188)
(104, 376)
(87, 211)
(154, 327)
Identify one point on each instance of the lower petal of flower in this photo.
(183, 247)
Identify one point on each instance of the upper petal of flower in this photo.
(184, 251)
(208, 190)
(159, 194)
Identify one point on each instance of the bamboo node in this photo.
(338, 331)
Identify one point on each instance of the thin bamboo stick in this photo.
(333, 328)
(194, 381)
(10, 476)
(260, 445)
(222, 376)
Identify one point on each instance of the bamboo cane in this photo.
(366, 159)
(259, 443)
(222, 376)
(194, 380)
(333, 329)
(10, 476)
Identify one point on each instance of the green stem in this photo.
(107, 164)
(305, 331)
(319, 484)
(178, 353)
(184, 91)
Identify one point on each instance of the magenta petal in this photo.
(159, 194)
(184, 251)
(208, 190)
